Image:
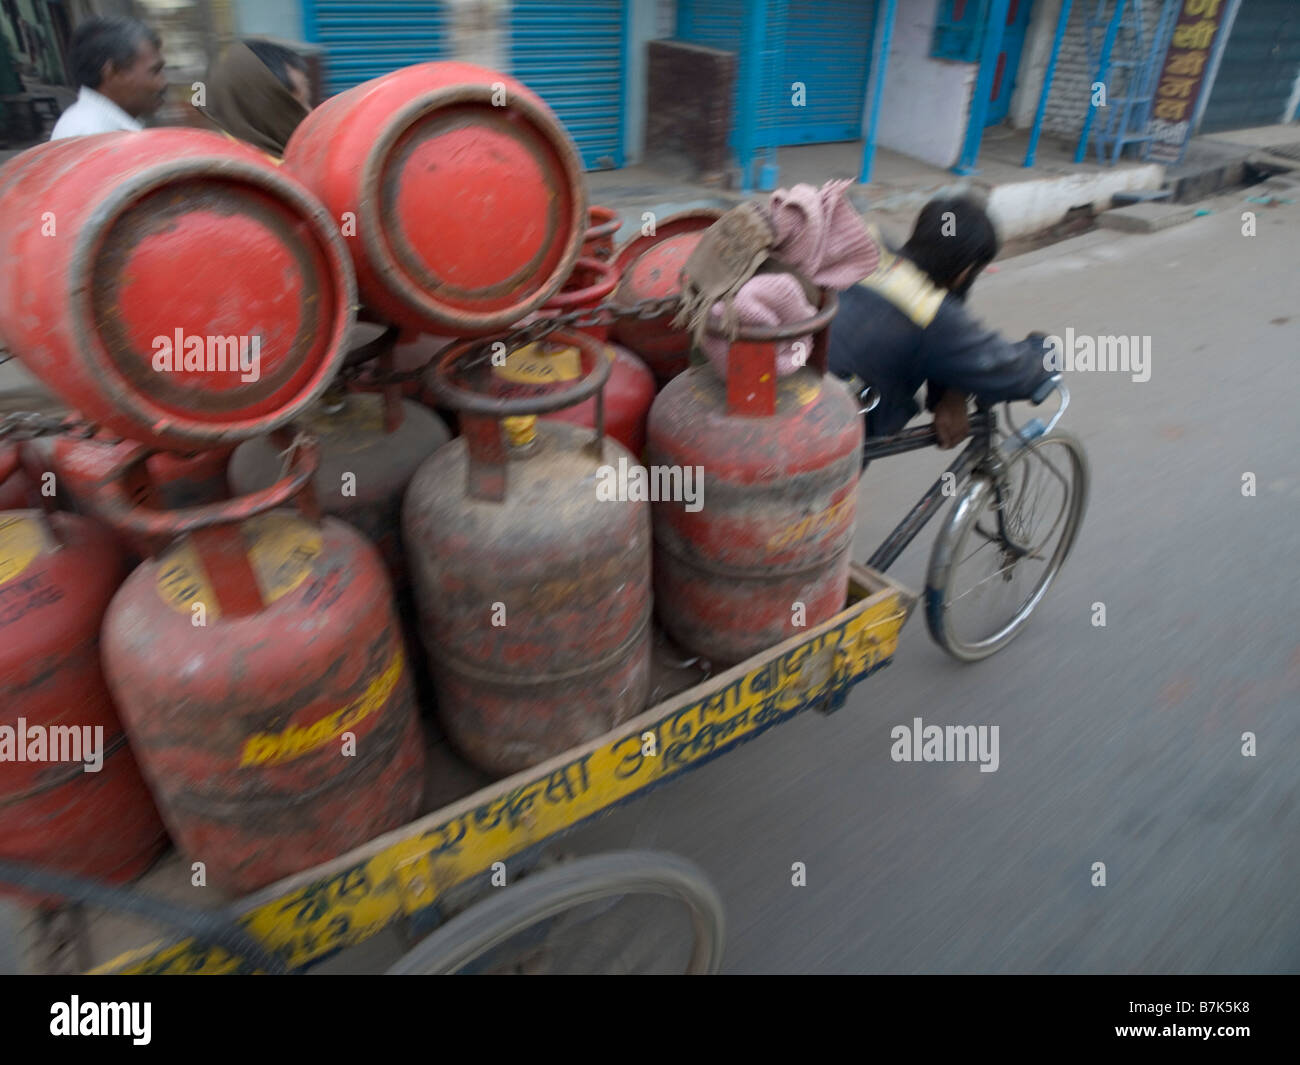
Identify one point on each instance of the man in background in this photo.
(119, 70)
(257, 92)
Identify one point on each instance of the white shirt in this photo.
(92, 113)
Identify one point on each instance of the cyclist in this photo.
(906, 323)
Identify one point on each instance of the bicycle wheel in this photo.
(544, 923)
(979, 592)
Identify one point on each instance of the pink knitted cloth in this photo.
(819, 234)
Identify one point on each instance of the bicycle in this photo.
(999, 481)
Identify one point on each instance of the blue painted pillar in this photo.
(1103, 71)
(751, 90)
(979, 107)
(1048, 75)
(877, 90)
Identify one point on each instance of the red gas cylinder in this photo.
(602, 224)
(587, 288)
(763, 551)
(57, 575)
(189, 480)
(370, 446)
(540, 369)
(534, 588)
(649, 266)
(177, 287)
(464, 193)
(15, 485)
(259, 668)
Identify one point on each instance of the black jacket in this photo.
(896, 330)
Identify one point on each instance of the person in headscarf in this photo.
(258, 92)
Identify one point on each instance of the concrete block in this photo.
(1145, 217)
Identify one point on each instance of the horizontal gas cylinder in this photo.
(176, 286)
(648, 266)
(459, 192)
(533, 582)
(260, 671)
(71, 796)
(758, 549)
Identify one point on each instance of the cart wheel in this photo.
(548, 922)
(979, 594)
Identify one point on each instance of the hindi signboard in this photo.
(1182, 77)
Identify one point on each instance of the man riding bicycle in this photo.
(906, 323)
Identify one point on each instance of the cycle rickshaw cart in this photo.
(469, 882)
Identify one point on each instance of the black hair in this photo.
(951, 234)
(278, 59)
(104, 39)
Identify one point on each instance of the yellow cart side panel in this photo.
(345, 902)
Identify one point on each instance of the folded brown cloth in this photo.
(247, 101)
(728, 254)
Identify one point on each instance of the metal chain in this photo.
(583, 318)
(27, 425)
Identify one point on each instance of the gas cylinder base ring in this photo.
(187, 433)
(610, 662)
(388, 261)
(766, 574)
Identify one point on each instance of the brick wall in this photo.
(689, 96)
(1072, 84)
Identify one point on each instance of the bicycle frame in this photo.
(980, 454)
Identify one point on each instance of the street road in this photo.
(1120, 744)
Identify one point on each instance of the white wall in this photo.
(925, 101)
(269, 18)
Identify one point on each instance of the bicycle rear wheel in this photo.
(979, 592)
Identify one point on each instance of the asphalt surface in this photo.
(1119, 744)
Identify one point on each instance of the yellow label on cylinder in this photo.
(272, 748)
(21, 540)
(536, 365)
(281, 550)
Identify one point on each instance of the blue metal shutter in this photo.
(572, 54)
(365, 40)
(1259, 68)
(727, 26)
(828, 49)
(826, 44)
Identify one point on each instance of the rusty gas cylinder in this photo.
(259, 668)
(763, 551)
(370, 446)
(533, 584)
(539, 369)
(71, 796)
(177, 288)
(459, 192)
